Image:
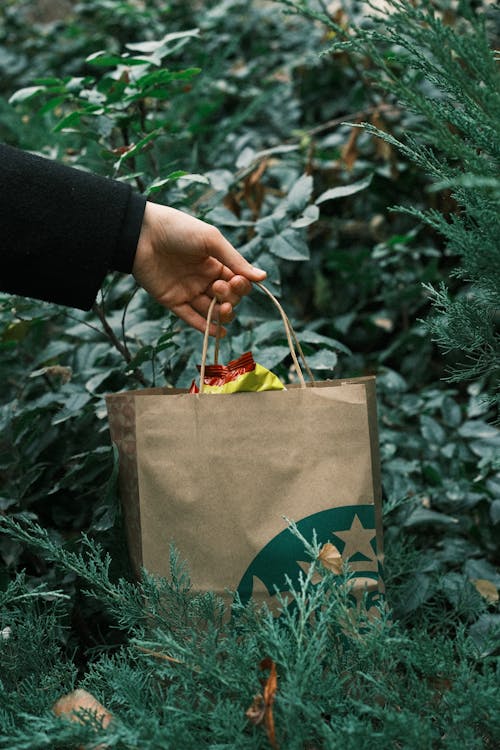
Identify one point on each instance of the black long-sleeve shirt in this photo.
(62, 229)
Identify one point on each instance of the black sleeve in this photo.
(62, 229)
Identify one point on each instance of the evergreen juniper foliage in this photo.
(447, 74)
(320, 675)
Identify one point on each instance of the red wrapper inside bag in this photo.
(241, 374)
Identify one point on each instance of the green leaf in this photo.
(478, 429)
(310, 215)
(23, 95)
(392, 381)
(106, 59)
(153, 46)
(482, 569)
(290, 245)
(271, 356)
(160, 183)
(300, 194)
(50, 81)
(56, 101)
(486, 633)
(487, 450)
(144, 354)
(188, 178)
(424, 516)
(342, 191)
(67, 122)
(495, 511)
(72, 407)
(270, 226)
(457, 588)
(93, 383)
(415, 593)
(451, 411)
(268, 330)
(312, 337)
(137, 147)
(323, 360)
(432, 430)
(343, 322)
(449, 450)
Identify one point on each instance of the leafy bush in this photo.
(243, 123)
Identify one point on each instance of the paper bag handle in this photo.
(293, 342)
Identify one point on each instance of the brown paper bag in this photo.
(217, 474)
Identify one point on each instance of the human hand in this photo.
(184, 263)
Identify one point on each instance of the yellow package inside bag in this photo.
(239, 375)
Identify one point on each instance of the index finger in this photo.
(221, 249)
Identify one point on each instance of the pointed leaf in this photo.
(270, 356)
(431, 430)
(72, 407)
(323, 360)
(477, 428)
(423, 516)
(312, 337)
(309, 216)
(290, 245)
(152, 46)
(23, 94)
(300, 194)
(495, 511)
(342, 191)
(108, 59)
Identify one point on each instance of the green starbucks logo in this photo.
(351, 529)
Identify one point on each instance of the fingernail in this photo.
(259, 270)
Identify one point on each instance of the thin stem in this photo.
(119, 345)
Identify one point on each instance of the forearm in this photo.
(62, 229)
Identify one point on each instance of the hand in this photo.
(184, 263)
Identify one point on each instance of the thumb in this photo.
(232, 259)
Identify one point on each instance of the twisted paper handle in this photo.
(293, 342)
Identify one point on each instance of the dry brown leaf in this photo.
(257, 710)
(270, 689)
(383, 149)
(385, 323)
(253, 188)
(330, 558)
(232, 204)
(487, 589)
(65, 373)
(261, 710)
(349, 153)
(79, 700)
(440, 683)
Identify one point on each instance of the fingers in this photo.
(197, 309)
(193, 318)
(222, 311)
(232, 290)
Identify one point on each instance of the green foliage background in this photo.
(238, 112)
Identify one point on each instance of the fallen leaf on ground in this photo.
(487, 589)
(78, 700)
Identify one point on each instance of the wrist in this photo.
(144, 248)
(126, 246)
